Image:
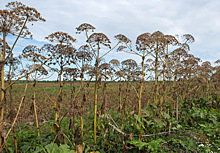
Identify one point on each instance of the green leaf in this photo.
(139, 120)
(65, 148)
(157, 120)
(138, 144)
(40, 149)
(55, 127)
(146, 113)
(151, 146)
(52, 148)
(155, 146)
(165, 115)
(10, 149)
(179, 126)
(25, 147)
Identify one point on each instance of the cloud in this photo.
(132, 18)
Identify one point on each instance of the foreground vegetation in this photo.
(168, 103)
(196, 129)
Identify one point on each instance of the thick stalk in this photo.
(72, 124)
(15, 139)
(82, 109)
(156, 76)
(126, 98)
(11, 98)
(9, 54)
(22, 100)
(96, 93)
(11, 106)
(207, 90)
(58, 98)
(142, 82)
(104, 98)
(35, 110)
(174, 86)
(120, 86)
(2, 88)
(177, 108)
(163, 83)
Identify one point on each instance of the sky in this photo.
(200, 18)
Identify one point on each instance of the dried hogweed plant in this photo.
(118, 74)
(95, 41)
(63, 55)
(32, 53)
(13, 21)
(83, 58)
(106, 73)
(13, 72)
(129, 67)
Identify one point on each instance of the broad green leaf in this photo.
(52, 148)
(65, 148)
(138, 144)
(40, 149)
(139, 120)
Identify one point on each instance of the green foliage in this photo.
(28, 141)
(153, 145)
(196, 131)
(54, 148)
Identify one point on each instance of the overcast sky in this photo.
(200, 18)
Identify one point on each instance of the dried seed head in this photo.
(84, 48)
(187, 38)
(8, 48)
(121, 48)
(24, 11)
(83, 55)
(115, 62)
(61, 37)
(99, 38)
(123, 38)
(12, 20)
(85, 27)
(217, 62)
(129, 63)
(143, 41)
(104, 66)
(170, 40)
(31, 52)
(40, 70)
